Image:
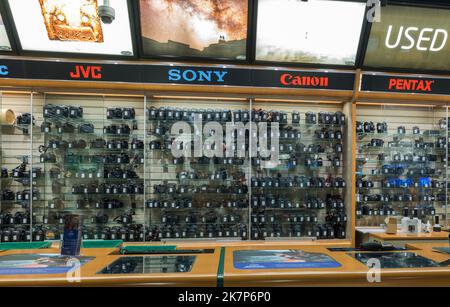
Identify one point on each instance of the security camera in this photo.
(106, 12)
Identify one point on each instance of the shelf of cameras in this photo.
(412, 166)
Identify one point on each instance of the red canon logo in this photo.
(88, 72)
(303, 81)
(411, 85)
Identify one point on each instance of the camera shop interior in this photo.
(358, 142)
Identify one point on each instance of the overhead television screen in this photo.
(410, 38)
(316, 31)
(195, 28)
(73, 26)
(4, 41)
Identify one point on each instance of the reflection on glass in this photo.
(323, 32)
(150, 264)
(396, 260)
(195, 28)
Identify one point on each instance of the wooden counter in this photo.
(401, 239)
(351, 272)
(204, 272)
(218, 268)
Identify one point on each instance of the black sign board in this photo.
(167, 74)
(402, 84)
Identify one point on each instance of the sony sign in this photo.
(426, 39)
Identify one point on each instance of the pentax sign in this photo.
(401, 84)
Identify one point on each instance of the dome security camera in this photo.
(106, 12)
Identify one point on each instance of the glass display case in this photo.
(401, 162)
(91, 153)
(151, 168)
(20, 179)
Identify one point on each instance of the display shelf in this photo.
(425, 165)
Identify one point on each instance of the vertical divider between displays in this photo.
(145, 171)
(249, 161)
(31, 168)
(352, 183)
(446, 167)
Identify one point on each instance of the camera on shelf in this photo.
(4, 172)
(121, 129)
(77, 144)
(120, 113)
(25, 119)
(27, 195)
(8, 195)
(382, 127)
(117, 144)
(98, 144)
(369, 127)
(376, 143)
(137, 144)
(46, 127)
(86, 128)
(401, 130)
(311, 118)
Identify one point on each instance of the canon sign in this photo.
(426, 39)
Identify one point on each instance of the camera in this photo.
(64, 128)
(25, 119)
(106, 12)
(46, 127)
(114, 113)
(376, 143)
(401, 130)
(382, 127)
(86, 128)
(311, 118)
(369, 127)
(98, 144)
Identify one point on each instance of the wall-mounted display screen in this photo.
(195, 28)
(316, 31)
(409, 37)
(4, 41)
(73, 26)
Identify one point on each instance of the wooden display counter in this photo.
(350, 273)
(204, 272)
(401, 239)
(223, 267)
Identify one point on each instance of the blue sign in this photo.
(4, 71)
(197, 75)
(281, 259)
(31, 264)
